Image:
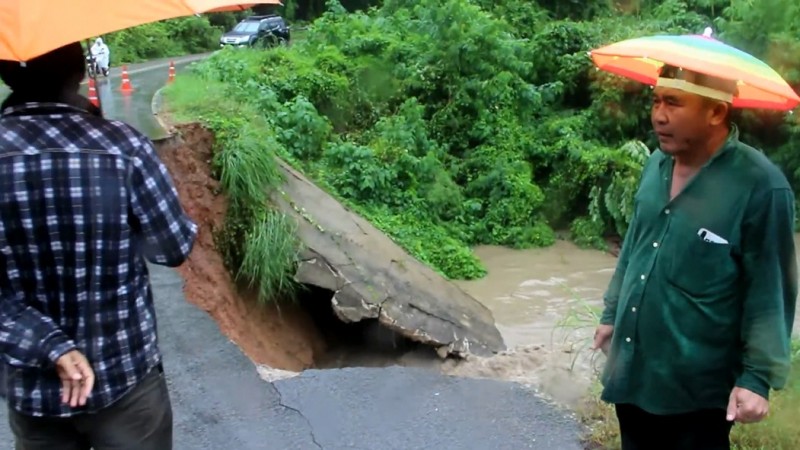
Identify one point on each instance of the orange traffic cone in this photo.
(93, 93)
(171, 72)
(126, 81)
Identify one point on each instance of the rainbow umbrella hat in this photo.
(641, 59)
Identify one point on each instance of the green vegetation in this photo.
(453, 123)
(163, 39)
(200, 34)
(257, 243)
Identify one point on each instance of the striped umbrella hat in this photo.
(642, 59)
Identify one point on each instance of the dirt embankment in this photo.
(283, 339)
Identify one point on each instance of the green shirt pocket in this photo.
(697, 265)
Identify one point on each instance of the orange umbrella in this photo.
(29, 28)
(641, 59)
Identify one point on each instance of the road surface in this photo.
(220, 401)
(134, 107)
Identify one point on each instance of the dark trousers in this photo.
(141, 420)
(700, 430)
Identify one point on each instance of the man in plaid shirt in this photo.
(83, 202)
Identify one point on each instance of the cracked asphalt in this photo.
(220, 402)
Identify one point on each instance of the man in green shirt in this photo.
(699, 313)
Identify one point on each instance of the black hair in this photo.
(51, 77)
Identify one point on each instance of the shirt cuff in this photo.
(753, 383)
(609, 316)
(58, 347)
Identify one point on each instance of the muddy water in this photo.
(529, 291)
(545, 302)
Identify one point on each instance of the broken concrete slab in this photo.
(374, 278)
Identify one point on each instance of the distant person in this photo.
(84, 202)
(699, 313)
(102, 56)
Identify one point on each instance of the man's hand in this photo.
(746, 407)
(77, 378)
(602, 338)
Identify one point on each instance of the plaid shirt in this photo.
(83, 202)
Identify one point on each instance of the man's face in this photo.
(680, 119)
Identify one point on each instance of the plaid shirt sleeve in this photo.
(168, 231)
(29, 338)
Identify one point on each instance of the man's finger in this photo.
(88, 382)
(76, 392)
(732, 407)
(597, 343)
(606, 345)
(751, 414)
(66, 391)
(70, 367)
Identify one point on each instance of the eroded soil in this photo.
(284, 338)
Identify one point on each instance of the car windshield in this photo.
(246, 27)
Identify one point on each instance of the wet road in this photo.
(220, 401)
(134, 107)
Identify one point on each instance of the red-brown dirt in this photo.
(284, 339)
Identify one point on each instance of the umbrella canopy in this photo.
(29, 28)
(641, 59)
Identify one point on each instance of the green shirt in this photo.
(693, 318)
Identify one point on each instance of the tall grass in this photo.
(577, 326)
(270, 254)
(258, 242)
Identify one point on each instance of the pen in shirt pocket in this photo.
(708, 236)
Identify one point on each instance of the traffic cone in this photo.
(93, 93)
(126, 81)
(171, 72)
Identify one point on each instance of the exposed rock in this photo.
(373, 278)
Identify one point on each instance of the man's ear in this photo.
(719, 113)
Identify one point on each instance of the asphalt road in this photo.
(220, 402)
(135, 107)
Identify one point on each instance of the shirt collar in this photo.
(20, 110)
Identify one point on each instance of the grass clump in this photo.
(258, 242)
(270, 254)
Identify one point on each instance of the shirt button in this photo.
(642, 277)
(633, 309)
(666, 211)
(655, 244)
(627, 339)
